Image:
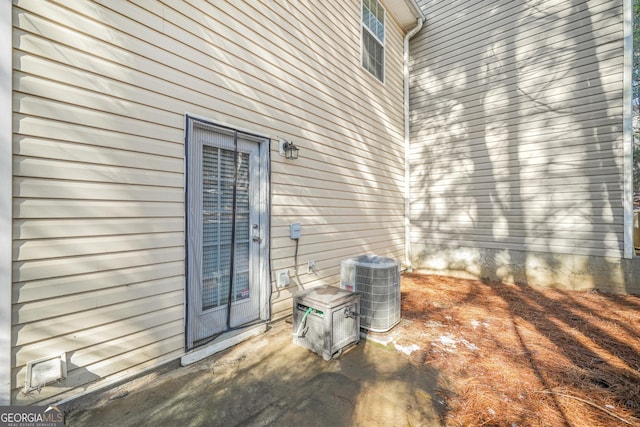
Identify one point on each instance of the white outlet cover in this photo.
(282, 278)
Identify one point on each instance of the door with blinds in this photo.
(227, 279)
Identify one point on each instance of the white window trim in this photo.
(6, 215)
(384, 43)
(627, 129)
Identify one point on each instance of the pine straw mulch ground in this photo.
(510, 355)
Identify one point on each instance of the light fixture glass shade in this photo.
(290, 151)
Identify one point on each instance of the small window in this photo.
(373, 38)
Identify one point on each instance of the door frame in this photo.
(264, 217)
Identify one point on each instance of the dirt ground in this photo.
(511, 355)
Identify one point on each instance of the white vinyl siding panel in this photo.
(516, 120)
(100, 93)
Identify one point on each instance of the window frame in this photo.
(382, 43)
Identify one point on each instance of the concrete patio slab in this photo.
(268, 380)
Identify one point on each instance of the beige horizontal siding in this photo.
(61, 208)
(61, 228)
(106, 338)
(131, 361)
(31, 147)
(557, 122)
(48, 188)
(100, 93)
(106, 317)
(80, 246)
(549, 16)
(567, 89)
(568, 143)
(577, 224)
(62, 306)
(365, 179)
(73, 170)
(53, 267)
(516, 122)
(47, 288)
(189, 47)
(105, 146)
(85, 350)
(524, 43)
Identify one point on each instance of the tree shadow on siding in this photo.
(525, 158)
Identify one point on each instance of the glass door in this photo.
(224, 231)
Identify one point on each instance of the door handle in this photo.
(256, 234)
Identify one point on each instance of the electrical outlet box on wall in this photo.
(295, 230)
(283, 279)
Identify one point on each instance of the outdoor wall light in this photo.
(288, 150)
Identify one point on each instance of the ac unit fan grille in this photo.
(377, 281)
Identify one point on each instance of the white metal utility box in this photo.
(326, 319)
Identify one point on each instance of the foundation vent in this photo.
(44, 371)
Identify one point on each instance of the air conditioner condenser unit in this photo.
(377, 280)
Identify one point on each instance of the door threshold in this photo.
(223, 342)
